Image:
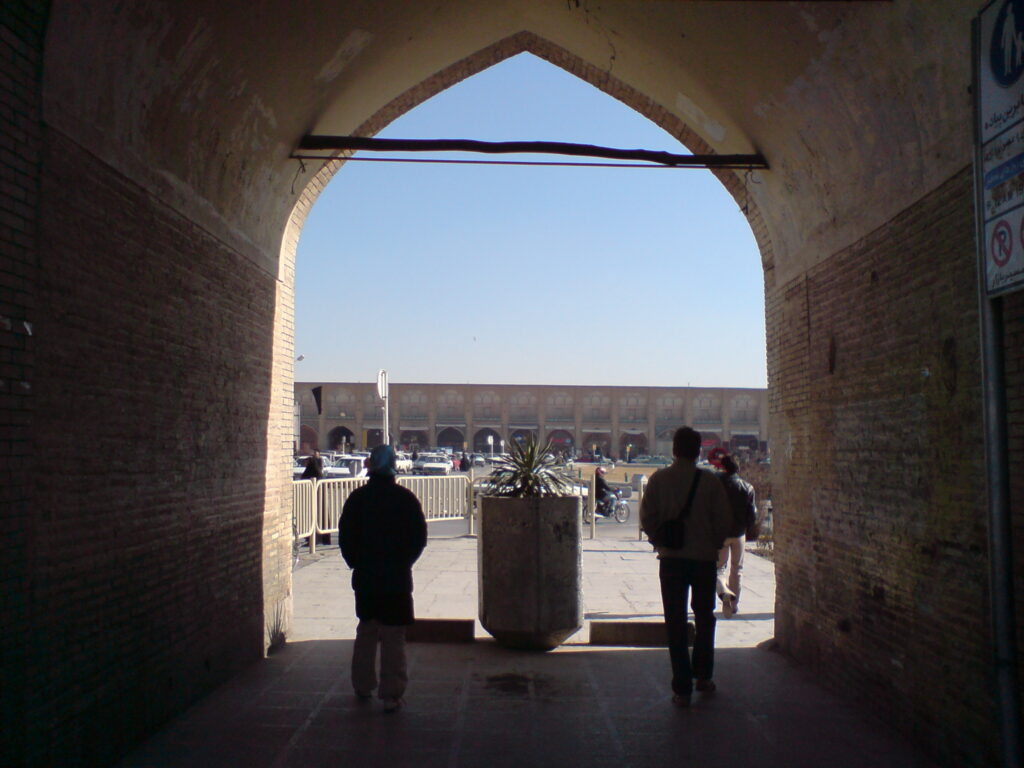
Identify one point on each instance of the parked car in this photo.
(403, 463)
(337, 468)
(433, 464)
(356, 464)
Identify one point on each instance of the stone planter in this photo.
(529, 564)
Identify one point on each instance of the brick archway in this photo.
(529, 42)
(159, 179)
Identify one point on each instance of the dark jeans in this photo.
(678, 576)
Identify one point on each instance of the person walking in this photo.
(683, 491)
(740, 494)
(383, 532)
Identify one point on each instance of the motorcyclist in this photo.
(602, 491)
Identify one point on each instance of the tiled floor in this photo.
(478, 704)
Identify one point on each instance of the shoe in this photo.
(681, 701)
(706, 686)
(363, 696)
(728, 606)
(393, 705)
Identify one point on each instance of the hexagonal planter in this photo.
(529, 559)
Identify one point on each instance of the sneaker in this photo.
(681, 701)
(393, 705)
(706, 686)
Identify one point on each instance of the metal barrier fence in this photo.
(316, 505)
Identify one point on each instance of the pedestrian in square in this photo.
(383, 532)
(740, 494)
(695, 496)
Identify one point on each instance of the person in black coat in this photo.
(382, 532)
(314, 467)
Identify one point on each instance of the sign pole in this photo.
(382, 392)
(998, 87)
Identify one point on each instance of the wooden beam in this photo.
(361, 143)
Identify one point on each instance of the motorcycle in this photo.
(612, 505)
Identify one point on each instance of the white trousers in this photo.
(393, 674)
(731, 554)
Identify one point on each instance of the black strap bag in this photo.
(672, 533)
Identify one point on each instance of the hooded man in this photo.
(382, 532)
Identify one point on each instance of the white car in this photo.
(337, 468)
(433, 464)
(403, 463)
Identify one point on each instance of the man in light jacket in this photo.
(692, 566)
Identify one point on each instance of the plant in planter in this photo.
(529, 551)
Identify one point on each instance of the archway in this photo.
(562, 441)
(413, 439)
(843, 243)
(450, 437)
(341, 439)
(597, 444)
(372, 438)
(632, 444)
(308, 440)
(481, 444)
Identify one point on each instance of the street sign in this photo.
(999, 164)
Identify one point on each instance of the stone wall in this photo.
(879, 488)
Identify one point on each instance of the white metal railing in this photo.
(303, 508)
(317, 505)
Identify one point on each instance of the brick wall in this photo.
(22, 25)
(879, 486)
(152, 405)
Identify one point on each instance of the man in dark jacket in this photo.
(382, 532)
(741, 503)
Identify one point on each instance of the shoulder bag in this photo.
(672, 533)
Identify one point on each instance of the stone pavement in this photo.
(477, 704)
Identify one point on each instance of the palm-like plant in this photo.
(529, 470)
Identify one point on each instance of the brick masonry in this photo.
(151, 410)
(876, 423)
(22, 25)
(145, 490)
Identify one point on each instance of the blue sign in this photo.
(1006, 49)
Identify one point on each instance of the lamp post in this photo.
(490, 443)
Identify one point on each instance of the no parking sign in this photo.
(999, 164)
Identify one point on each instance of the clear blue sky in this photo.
(526, 275)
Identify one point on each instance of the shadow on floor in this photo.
(479, 704)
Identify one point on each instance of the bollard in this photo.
(639, 501)
(592, 506)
